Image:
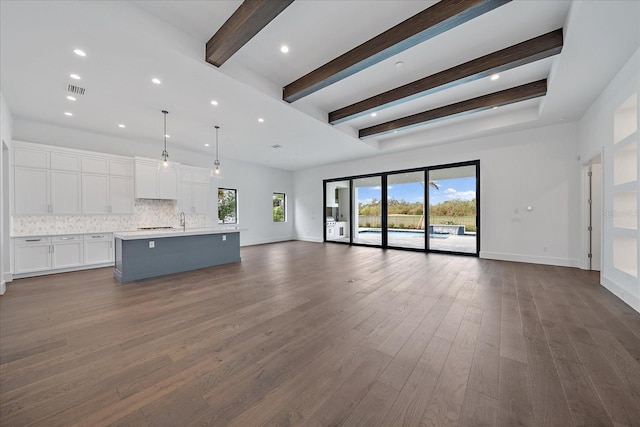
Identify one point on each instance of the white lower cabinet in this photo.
(43, 254)
(32, 254)
(67, 251)
(98, 248)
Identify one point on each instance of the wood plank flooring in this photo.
(307, 334)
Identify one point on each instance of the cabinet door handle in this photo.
(67, 238)
(97, 237)
(110, 209)
(49, 208)
(32, 240)
(51, 248)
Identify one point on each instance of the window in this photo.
(227, 206)
(279, 207)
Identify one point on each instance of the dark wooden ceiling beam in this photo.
(496, 99)
(514, 56)
(247, 21)
(432, 21)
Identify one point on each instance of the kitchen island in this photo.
(152, 253)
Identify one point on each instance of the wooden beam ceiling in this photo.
(251, 17)
(514, 56)
(441, 17)
(505, 97)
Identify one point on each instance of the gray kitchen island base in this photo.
(142, 258)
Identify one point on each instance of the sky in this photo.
(449, 189)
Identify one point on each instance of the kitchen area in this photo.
(337, 207)
(73, 209)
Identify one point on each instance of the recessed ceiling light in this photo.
(374, 114)
(284, 48)
(74, 76)
(261, 120)
(495, 77)
(399, 64)
(214, 102)
(121, 126)
(206, 145)
(167, 136)
(71, 98)
(79, 52)
(156, 81)
(68, 114)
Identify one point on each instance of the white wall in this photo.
(6, 130)
(537, 168)
(595, 132)
(255, 183)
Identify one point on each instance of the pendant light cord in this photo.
(217, 127)
(165, 112)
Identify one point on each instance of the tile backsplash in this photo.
(147, 213)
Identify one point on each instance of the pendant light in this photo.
(164, 165)
(215, 171)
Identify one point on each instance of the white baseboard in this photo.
(309, 239)
(3, 287)
(266, 241)
(632, 300)
(8, 277)
(561, 262)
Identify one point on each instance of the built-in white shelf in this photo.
(625, 210)
(625, 120)
(625, 161)
(625, 255)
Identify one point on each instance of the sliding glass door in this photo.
(367, 212)
(432, 209)
(405, 210)
(453, 209)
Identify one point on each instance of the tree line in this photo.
(402, 207)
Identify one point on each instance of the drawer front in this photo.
(97, 237)
(68, 239)
(33, 240)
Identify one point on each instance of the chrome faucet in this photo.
(183, 221)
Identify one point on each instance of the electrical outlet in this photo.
(152, 244)
(224, 237)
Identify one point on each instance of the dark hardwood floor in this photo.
(321, 334)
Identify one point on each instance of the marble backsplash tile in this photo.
(147, 213)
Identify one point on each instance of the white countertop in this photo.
(173, 232)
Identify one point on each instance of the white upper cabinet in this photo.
(153, 184)
(64, 181)
(194, 190)
(121, 194)
(45, 182)
(31, 191)
(65, 192)
(95, 194)
(32, 158)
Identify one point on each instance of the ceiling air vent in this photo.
(75, 89)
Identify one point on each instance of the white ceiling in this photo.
(128, 43)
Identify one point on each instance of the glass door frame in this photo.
(384, 207)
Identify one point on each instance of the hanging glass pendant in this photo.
(164, 164)
(216, 172)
